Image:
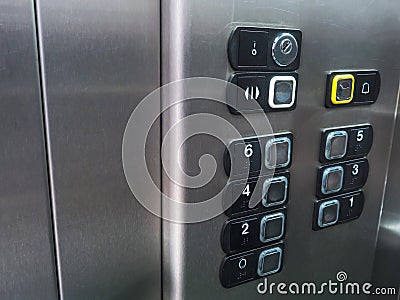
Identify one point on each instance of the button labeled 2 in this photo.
(253, 231)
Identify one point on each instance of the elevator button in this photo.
(355, 174)
(278, 153)
(342, 89)
(351, 206)
(253, 48)
(284, 49)
(272, 227)
(282, 92)
(347, 142)
(244, 233)
(360, 140)
(332, 180)
(270, 261)
(328, 213)
(275, 191)
(243, 157)
(240, 268)
(336, 144)
(367, 87)
(254, 93)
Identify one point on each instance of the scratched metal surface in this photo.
(336, 35)
(27, 264)
(100, 58)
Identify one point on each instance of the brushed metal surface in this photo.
(100, 58)
(27, 264)
(386, 265)
(336, 35)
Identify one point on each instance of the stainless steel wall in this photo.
(99, 59)
(386, 264)
(27, 264)
(337, 35)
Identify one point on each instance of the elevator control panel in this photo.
(264, 63)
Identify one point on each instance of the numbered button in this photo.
(337, 210)
(342, 178)
(239, 268)
(275, 191)
(270, 261)
(246, 266)
(264, 192)
(356, 174)
(351, 207)
(250, 232)
(336, 144)
(243, 157)
(272, 227)
(278, 153)
(328, 213)
(242, 235)
(332, 180)
(360, 141)
(346, 142)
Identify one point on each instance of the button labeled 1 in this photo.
(337, 210)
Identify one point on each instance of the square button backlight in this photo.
(342, 89)
(336, 144)
(282, 92)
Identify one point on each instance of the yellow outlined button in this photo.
(342, 89)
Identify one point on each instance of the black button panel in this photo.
(365, 90)
(351, 141)
(264, 49)
(342, 178)
(243, 267)
(253, 156)
(253, 231)
(267, 191)
(337, 210)
(263, 92)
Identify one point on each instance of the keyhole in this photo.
(286, 46)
